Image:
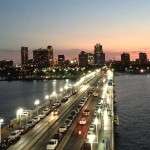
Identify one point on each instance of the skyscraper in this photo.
(125, 58)
(61, 60)
(143, 58)
(24, 55)
(99, 55)
(83, 59)
(41, 58)
(50, 55)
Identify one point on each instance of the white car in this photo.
(36, 119)
(62, 129)
(82, 121)
(52, 144)
(14, 134)
(41, 116)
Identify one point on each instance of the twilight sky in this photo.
(120, 25)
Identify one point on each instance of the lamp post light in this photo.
(18, 114)
(61, 90)
(36, 103)
(1, 122)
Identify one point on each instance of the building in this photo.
(90, 59)
(99, 55)
(42, 58)
(5, 64)
(24, 55)
(125, 58)
(61, 60)
(51, 55)
(143, 58)
(83, 59)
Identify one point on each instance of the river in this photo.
(16, 94)
(133, 95)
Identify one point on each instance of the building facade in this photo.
(125, 58)
(99, 55)
(83, 59)
(143, 58)
(41, 58)
(24, 55)
(50, 55)
(61, 60)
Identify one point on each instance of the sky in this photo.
(119, 25)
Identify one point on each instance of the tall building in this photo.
(24, 55)
(99, 55)
(51, 55)
(83, 59)
(90, 59)
(125, 58)
(61, 60)
(41, 58)
(143, 58)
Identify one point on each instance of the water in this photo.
(133, 93)
(22, 94)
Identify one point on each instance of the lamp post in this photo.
(36, 103)
(1, 122)
(18, 114)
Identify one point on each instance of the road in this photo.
(76, 140)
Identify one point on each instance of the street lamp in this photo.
(36, 103)
(18, 114)
(1, 122)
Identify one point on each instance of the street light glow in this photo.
(46, 96)
(19, 111)
(61, 90)
(37, 102)
(1, 121)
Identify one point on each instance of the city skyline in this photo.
(74, 24)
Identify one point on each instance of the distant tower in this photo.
(143, 58)
(24, 55)
(99, 55)
(125, 58)
(51, 55)
(83, 59)
(61, 60)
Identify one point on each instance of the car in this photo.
(92, 127)
(89, 133)
(82, 121)
(52, 144)
(62, 129)
(41, 116)
(14, 135)
(86, 112)
(57, 136)
(46, 111)
(29, 124)
(71, 117)
(68, 122)
(64, 99)
(55, 112)
(36, 119)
